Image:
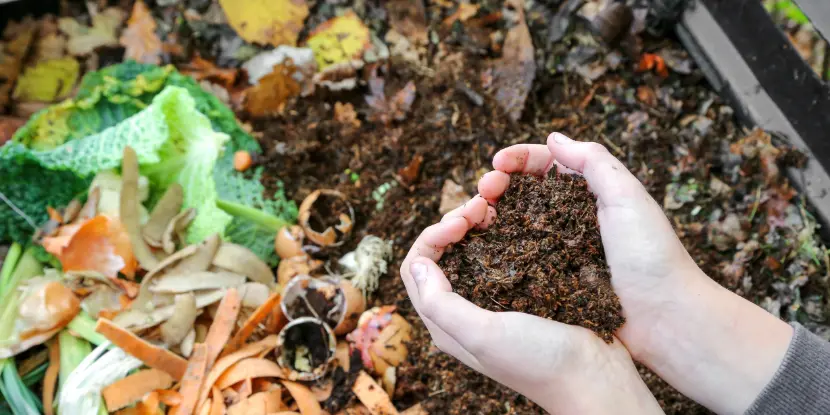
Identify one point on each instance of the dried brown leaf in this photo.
(273, 92)
(514, 72)
(139, 38)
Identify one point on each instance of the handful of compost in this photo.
(542, 256)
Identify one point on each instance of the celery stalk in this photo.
(257, 216)
(84, 326)
(9, 263)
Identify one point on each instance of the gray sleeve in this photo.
(802, 383)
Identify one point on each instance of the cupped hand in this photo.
(710, 344)
(565, 369)
(649, 265)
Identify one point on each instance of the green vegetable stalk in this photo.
(27, 267)
(256, 216)
(84, 326)
(20, 398)
(73, 351)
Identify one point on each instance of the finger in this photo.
(460, 319)
(524, 158)
(489, 218)
(493, 184)
(474, 211)
(607, 177)
(435, 238)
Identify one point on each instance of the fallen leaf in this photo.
(650, 61)
(410, 172)
(387, 110)
(409, 19)
(204, 70)
(345, 114)
(139, 38)
(452, 196)
(339, 40)
(101, 244)
(263, 63)
(646, 95)
(514, 72)
(8, 126)
(272, 93)
(47, 81)
(463, 13)
(84, 39)
(275, 22)
(17, 39)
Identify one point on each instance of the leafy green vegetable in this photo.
(189, 157)
(105, 101)
(10, 262)
(790, 10)
(36, 375)
(20, 398)
(256, 219)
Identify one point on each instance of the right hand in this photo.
(707, 342)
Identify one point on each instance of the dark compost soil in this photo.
(674, 134)
(542, 256)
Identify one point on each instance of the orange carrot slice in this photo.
(51, 377)
(149, 405)
(132, 388)
(193, 378)
(222, 326)
(249, 368)
(153, 356)
(259, 315)
(372, 395)
(170, 397)
(305, 399)
(218, 405)
(221, 365)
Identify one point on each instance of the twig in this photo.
(613, 146)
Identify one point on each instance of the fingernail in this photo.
(561, 139)
(419, 272)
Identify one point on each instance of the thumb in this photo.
(459, 318)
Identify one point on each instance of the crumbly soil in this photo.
(542, 256)
(323, 303)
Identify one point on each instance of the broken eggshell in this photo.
(339, 306)
(298, 265)
(315, 217)
(381, 338)
(289, 242)
(305, 348)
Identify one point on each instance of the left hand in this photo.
(564, 369)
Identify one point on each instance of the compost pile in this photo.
(220, 189)
(542, 256)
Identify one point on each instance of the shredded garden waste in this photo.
(199, 199)
(135, 230)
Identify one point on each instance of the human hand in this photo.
(564, 369)
(710, 344)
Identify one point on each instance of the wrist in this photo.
(714, 346)
(600, 379)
